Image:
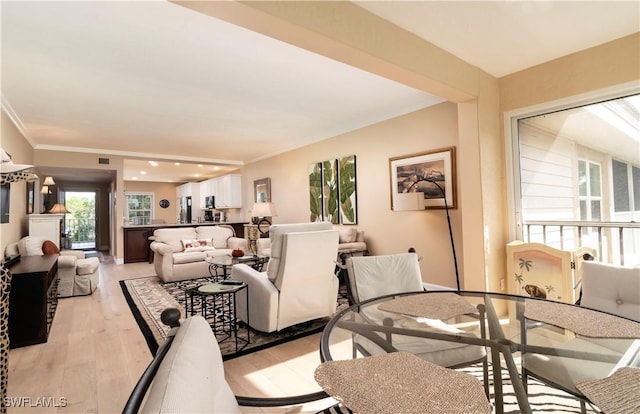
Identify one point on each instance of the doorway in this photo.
(79, 226)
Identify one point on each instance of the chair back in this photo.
(277, 234)
(372, 276)
(611, 288)
(302, 266)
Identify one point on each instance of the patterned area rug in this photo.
(148, 297)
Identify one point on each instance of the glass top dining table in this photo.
(593, 355)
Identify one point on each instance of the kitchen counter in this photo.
(195, 224)
(136, 236)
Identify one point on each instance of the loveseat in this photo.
(180, 252)
(350, 239)
(78, 275)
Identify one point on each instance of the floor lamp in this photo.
(446, 208)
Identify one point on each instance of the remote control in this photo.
(231, 282)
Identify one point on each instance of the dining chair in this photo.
(605, 287)
(374, 276)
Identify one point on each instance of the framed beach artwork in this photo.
(432, 173)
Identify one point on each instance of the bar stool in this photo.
(150, 239)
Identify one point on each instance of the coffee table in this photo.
(220, 266)
(218, 301)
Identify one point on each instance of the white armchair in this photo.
(77, 274)
(299, 284)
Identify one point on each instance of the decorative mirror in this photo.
(262, 190)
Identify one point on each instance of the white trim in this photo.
(512, 158)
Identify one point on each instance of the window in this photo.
(139, 208)
(626, 187)
(590, 190)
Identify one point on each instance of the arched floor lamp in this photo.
(446, 208)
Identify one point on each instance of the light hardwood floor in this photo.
(95, 354)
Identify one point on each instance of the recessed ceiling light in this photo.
(134, 178)
(199, 165)
(216, 168)
(196, 175)
(154, 163)
(143, 172)
(176, 163)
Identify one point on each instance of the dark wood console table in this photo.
(33, 299)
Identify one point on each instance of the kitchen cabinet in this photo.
(228, 191)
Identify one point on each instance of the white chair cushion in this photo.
(174, 236)
(190, 378)
(347, 234)
(87, 266)
(372, 276)
(611, 288)
(219, 234)
(276, 232)
(189, 257)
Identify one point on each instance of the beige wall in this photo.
(600, 67)
(386, 231)
(14, 143)
(160, 191)
(349, 34)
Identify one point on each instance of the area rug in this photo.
(542, 398)
(148, 297)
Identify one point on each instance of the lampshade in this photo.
(59, 209)
(408, 201)
(44, 189)
(48, 181)
(11, 173)
(263, 210)
(7, 166)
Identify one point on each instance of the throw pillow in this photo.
(49, 247)
(30, 246)
(348, 234)
(195, 245)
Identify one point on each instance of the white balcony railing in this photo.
(615, 242)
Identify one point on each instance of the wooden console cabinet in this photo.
(33, 299)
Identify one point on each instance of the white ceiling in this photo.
(156, 80)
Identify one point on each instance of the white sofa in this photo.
(174, 262)
(78, 275)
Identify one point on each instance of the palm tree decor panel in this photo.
(332, 191)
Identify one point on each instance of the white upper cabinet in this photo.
(228, 191)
